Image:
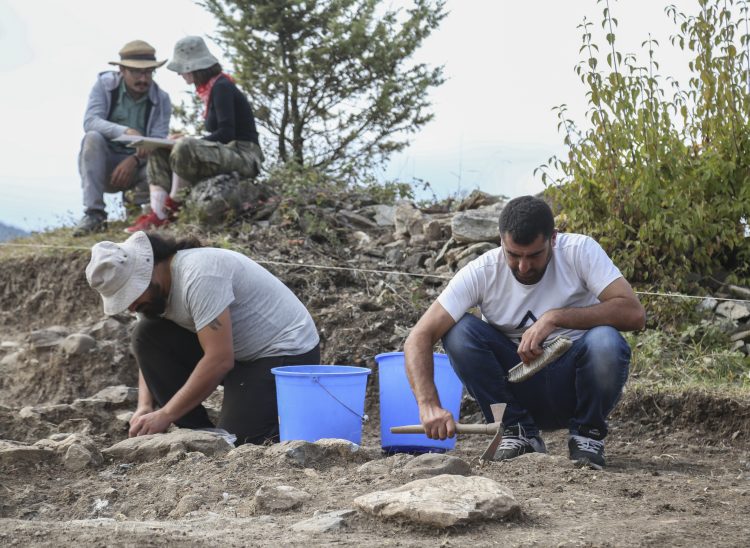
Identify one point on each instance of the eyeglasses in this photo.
(140, 72)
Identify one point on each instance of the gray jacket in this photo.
(100, 102)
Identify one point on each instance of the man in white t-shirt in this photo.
(536, 286)
(209, 316)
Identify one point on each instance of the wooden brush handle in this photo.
(490, 429)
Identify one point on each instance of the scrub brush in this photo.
(556, 348)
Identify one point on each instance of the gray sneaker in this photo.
(91, 222)
(586, 452)
(515, 443)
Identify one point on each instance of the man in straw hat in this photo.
(208, 316)
(127, 102)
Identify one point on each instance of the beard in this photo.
(156, 305)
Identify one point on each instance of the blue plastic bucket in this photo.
(320, 401)
(398, 407)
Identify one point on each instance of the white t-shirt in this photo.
(267, 318)
(577, 273)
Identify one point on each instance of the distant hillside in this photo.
(9, 232)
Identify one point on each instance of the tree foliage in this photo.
(331, 80)
(662, 176)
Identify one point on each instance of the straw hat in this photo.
(191, 54)
(121, 272)
(139, 55)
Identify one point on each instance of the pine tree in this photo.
(333, 81)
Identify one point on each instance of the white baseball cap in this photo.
(121, 272)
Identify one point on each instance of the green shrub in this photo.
(663, 182)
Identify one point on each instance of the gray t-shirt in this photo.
(267, 318)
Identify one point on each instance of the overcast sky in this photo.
(507, 63)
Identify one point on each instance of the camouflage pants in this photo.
(196, 159)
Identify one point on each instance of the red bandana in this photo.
(204, 90)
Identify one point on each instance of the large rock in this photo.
(442, 501)
(49, 337)
(76, 344)
(324, 452)
(213, 200)
(733, 311)
(78, 451)
(155, 446)
(13, 453)
(477, 225)
(408, 220)
(435, 464)
(276, 498)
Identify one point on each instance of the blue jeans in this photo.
(578, 390)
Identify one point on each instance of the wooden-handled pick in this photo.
(494, 428)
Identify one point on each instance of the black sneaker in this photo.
(586, 451)
(515, 443)
(91, 222)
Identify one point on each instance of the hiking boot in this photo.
(586, 451)
(515, 443)
(147, 221)
(90, 223)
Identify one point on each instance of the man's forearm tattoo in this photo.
(215, 324)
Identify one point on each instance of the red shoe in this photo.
(147, 221)
(172, 208)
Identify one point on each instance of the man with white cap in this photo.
(209, 316)
(127, 102)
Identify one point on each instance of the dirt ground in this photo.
(678, 469)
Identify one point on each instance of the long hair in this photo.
(166, 246)
(202, 76)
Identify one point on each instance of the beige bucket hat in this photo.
(191, 54)
(121, 272)
(138, 54)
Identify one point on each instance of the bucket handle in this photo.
(363, 418)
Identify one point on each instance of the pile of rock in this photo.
(731, 308)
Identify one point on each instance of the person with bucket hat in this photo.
(207, 316)
(231, 145)
(126, 102)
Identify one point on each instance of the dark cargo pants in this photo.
(167, 354)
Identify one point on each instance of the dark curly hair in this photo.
(525, 218)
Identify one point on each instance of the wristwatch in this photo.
(138, 161)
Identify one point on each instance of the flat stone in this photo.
(79, 456)
(475, 250)
(16, 453)
(78, 343)
(740, 336)
(733, 311)
(442, 501)
(49, 337)
(387, 465)
(476, 225)
(407, 219)
(155, 446)
(12, 360)
(279, 498)
(119, 394)
(383, 214)
(324, 522)
(434, 464)
(188, 503)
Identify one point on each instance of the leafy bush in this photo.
(663, 182)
